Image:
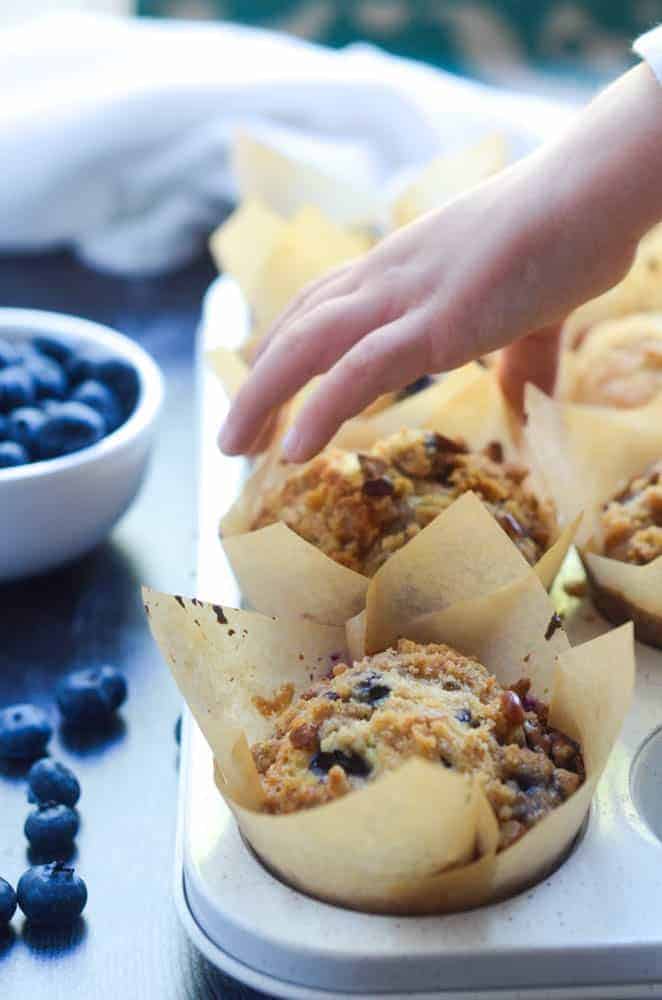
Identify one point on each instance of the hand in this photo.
(513, 256)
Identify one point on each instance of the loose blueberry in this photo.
(23, 424)
(122, 378)
(351, 763)
(50, 781)
(102, 399)
(24, 731)
(51, 894)
(16, 388)
(87, 698)
(8, 354)
(12, 454)
(73, 426)
(53, 348)
(370, 690)
(7, 902)
(51, 828)
(49, 377)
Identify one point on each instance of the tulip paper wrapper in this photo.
(467, 404)
(586, 454)
(421, 839)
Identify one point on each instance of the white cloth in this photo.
(649, 47)
(114, 132)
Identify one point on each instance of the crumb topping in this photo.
(631, 523)
(424, 701)
(359, 508)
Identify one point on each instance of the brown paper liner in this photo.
(586, 454)
(421, 839)
(467, 403)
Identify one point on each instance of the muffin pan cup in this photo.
(588, 930)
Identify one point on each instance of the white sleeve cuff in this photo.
(649, 47)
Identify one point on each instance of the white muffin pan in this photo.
(592, 929)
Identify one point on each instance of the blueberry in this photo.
(51, 894)
(370, 690)
(50, 406)
(73, 426)
(102, 399)
(81, 365)
(24, 731)
(351, 763)
(421, 383)
(49, 377)
(8, 354)
(23, 425)
(7, 902)
(16, 388)
(87, 698)
(120, 376)
(53, 348)
(464, 715)
(50, 781)
(51, 828)
(12, 454)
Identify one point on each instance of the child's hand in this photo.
(511, 257)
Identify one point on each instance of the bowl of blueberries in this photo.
(78, 409)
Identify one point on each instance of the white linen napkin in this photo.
(114, 132)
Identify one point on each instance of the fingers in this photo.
(386, 359)
(311, 346)
(265, 435)
(317, 291)
(534, 359)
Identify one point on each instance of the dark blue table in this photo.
(129, 945)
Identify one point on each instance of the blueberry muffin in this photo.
(359, 508)
(424, 701)
(619, 364)
(631, 523)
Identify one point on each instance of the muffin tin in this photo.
(591, 929)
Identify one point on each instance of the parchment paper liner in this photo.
(282, 574)
(421, 839)
(586, 454)
(273, 257)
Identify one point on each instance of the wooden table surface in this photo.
(128, 945)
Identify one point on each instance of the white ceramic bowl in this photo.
(51, 512)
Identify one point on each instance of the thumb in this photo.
(534, 358)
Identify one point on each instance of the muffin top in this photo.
(623, 368)
(360, 507)
(424, 701)
(631, 523)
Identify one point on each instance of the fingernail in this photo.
(291, 444)
(226, 439)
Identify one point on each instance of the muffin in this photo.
(360, 507)
(426, 701)
(619, 364)
(631, 523)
